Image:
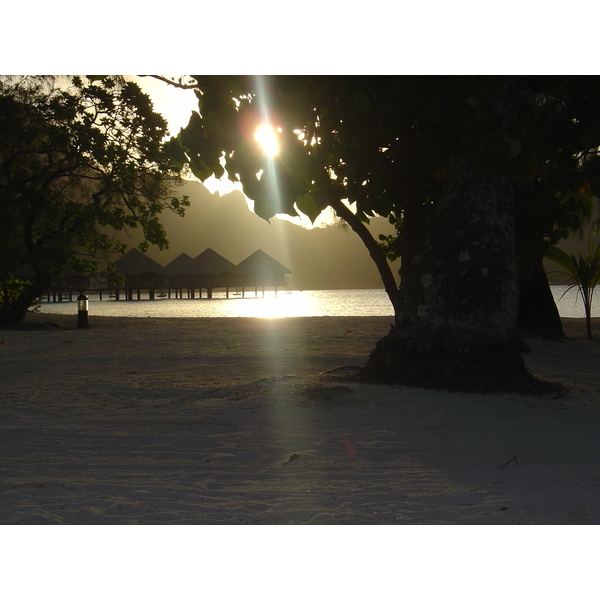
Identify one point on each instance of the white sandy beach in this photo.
(242, 421)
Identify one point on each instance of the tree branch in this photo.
(181, 86)
(391, 287)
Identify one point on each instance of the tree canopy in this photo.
(76, 166)
(383, 143)
(452, 162)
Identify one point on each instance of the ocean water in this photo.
(307, 303)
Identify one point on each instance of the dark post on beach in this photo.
(82, 312)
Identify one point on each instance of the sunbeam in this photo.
(266, 135)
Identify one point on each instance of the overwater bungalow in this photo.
(207, 271)
(140, 272)
(260, 270)
(181, 272)
(214, 270)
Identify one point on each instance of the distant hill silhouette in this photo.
(320, 258)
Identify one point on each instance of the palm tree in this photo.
(583, 272)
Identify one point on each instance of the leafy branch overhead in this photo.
(383, 144)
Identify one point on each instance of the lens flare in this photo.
(267, 138)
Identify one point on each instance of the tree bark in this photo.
(414, 225)
(458, 300)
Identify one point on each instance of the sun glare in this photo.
(267, 138)
(291, 304)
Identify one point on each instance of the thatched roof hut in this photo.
(210, 262)
(214, 270)
(207, 270)
(182, 265)
(260, 269)
(137, 263)
(140, 270)
(181, 272)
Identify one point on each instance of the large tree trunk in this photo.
(414, 230)
(458, 300)
(537, 310)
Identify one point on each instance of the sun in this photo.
(267, 137)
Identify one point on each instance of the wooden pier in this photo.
(70, 295)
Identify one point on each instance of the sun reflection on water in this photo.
(285, 305)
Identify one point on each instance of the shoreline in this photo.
(574, 328)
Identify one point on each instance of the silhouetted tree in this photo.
(442, 157)
(76, 165)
